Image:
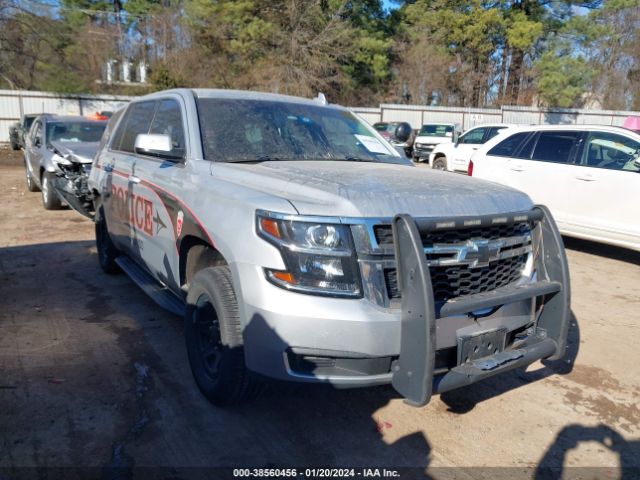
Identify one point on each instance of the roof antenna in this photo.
(321, 99)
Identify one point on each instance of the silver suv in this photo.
(299, 245)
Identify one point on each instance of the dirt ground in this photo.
(94, 374)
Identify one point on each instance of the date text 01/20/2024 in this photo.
(315, 473)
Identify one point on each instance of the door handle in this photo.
(586, 178)
(517, 168)
(133, 179)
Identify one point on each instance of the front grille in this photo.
(454, 274)
(384, 235)
(455, 281)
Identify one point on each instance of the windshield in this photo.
(436, 130)
(75, 131)
(236, 130)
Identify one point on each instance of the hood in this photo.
(430, 139)
(363, 189)
(81, 152)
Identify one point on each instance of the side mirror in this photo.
(37, 142)
(157, 145)
(455, 137)
(403, 132)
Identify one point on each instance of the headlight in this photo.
(60, 160)
(319, 257)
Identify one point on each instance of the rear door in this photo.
(117, 163)
(161, 217)
(604, 188)
(545, 168)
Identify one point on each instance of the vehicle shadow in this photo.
(130, 401)
(553, 463)
(152, 420)
(602, 250)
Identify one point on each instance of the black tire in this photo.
(107, 252)
(31, 185)
(50, 199)
(214, 339)
(440, 163)
(15, 146)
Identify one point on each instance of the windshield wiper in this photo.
(260, 158)
(359, 159)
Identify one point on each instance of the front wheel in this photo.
(107, 252)
(440, 163)
(50, 199)
(214, 339)
(31, 185)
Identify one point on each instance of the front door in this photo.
(159, 214)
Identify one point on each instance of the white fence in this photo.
(469, 117)
(15, 103)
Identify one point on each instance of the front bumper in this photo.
(351, 343)
(413, 372)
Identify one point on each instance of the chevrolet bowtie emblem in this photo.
(480, 252)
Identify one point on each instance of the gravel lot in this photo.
(94, 374)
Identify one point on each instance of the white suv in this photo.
(588, 176)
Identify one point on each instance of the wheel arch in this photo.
(196, 253)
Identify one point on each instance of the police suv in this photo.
(298, 244)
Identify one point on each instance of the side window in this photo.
(137, 120)
(555, 146)
(526, 149)
(473, 137)
(168, 121)
(611, 151)
(509, 146)
(108, 132)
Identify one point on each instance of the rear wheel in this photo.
(50, 199)
(440, 163)
(214, 339)
(107, 252)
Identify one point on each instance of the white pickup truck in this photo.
(298, 244)
(429, 136)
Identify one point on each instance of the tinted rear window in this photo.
(509, 146)
(555, 146)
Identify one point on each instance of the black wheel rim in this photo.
(208, 341)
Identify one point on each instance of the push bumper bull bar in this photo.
(413, 371)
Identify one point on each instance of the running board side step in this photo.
(158, 293)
